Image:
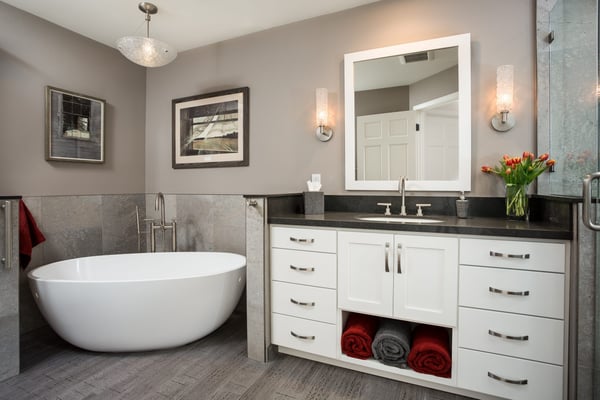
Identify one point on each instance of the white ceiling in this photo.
(184, 24)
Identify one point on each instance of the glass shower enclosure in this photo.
(568, 110)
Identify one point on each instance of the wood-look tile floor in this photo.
(215, 367)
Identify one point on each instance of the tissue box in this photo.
(314, 203)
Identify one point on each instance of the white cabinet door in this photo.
(426, 279)
(365, 281)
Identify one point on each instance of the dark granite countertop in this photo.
(470, 226)
(10, 197)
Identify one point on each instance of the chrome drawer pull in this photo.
(508, 292)
(300, 303)
(302, 337)
(302, 269)
(502, 255)
(511, 381)
(387, 257)
(293, 239)
(500, 335)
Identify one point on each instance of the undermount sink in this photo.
(402, 220)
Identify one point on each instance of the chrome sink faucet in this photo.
(401, 188)
(159, 205)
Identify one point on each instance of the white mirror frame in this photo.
(463, 183)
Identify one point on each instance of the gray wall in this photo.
(34, 54)
(438, 85)
(377, 101)
(283, 66)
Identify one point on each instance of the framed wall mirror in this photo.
(408, 113)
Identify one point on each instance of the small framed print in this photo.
(211, 130)
(74, 127)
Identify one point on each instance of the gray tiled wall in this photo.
(78, 226)
(9, 294)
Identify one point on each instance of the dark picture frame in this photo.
(211, 130)
(74, 126)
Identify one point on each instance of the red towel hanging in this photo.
(29, 235)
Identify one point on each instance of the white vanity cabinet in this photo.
(303, 289)
(408, 277)
(503, 302)
(511, 332)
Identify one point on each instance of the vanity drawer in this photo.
(522, 292)
(530, 380)
(304, 335)
(304, 239)
(308, 302)
(533, 338)
(304, 267)
(534, 256)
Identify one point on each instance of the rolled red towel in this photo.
(430, 351)
(358, 335)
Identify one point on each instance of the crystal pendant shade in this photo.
(146, 51)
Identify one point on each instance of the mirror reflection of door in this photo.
(438, 146)
(386, 146)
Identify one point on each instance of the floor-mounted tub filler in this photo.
(137, 302)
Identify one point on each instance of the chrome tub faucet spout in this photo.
(159, 205)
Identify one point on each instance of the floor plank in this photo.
(213, 368)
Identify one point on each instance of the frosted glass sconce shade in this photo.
(146, 51)
(324, 132)
(504, 120)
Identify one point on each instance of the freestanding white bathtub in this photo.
(136, 302)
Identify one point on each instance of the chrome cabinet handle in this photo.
(387, 257)
(301, 240)
(525, 256)
(7, 258)
(302, 269)
(302, 336)
(501, 335)
(300, 303)
(511, 381)
(508, 292)
(399, 258)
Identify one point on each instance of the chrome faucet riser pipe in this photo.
(401, 188)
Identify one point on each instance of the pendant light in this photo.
(146, 51)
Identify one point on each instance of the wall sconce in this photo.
(504, 120)
(324, 131)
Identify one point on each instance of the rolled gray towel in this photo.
(391, 343)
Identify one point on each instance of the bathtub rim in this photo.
(235, 267)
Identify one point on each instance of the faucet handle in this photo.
(387, 208)
(419, 211)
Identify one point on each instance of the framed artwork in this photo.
(74, 127)
(211, 130)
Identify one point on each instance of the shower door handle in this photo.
(587, 201)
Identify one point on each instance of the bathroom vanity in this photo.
(500, 288)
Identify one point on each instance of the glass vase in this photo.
(517, 203)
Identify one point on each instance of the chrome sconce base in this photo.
(503, 121)
(324, 133)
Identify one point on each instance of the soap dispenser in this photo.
(462, 206)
